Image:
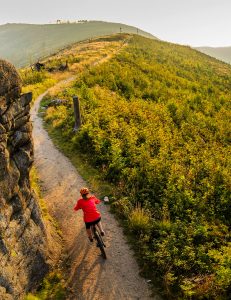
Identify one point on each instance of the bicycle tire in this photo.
(101, 244)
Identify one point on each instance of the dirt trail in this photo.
(91, 277)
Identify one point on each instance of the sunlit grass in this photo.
(52, 288)
(139, 220)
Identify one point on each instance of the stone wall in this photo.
(22, 234)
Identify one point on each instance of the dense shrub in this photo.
(32, 77)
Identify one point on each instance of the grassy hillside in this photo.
(156, 125)
(80, 56)
(221, 53)
(23, 44)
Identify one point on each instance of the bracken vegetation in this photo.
(156, 123)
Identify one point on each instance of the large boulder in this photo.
(9, 79)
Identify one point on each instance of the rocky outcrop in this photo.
(22, 233)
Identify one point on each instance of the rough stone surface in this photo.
(23, 250)
(10, 80)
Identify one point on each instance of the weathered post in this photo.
(77, 113)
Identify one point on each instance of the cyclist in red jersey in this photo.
(91, 215)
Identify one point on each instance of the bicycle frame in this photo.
(100, 243)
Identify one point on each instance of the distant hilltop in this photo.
(23, 44)
(221, 53)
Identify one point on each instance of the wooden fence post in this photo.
(77, 113)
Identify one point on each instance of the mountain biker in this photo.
(91, 215)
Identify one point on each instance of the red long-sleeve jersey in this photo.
(90, 212)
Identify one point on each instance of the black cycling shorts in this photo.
(88, 224)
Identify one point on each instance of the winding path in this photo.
(91, 277)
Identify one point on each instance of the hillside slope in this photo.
(156, 124)
(221, 53)
(22, 44)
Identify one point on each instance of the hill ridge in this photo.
(220, 53)
(34, 41)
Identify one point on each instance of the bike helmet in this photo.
(84, 191)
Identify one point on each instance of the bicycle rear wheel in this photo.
(100, 244)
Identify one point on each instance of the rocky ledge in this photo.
(23, 249)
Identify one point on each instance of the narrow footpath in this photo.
(91, 277)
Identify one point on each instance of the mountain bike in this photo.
(100, 243)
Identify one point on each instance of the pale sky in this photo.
(191, 22)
